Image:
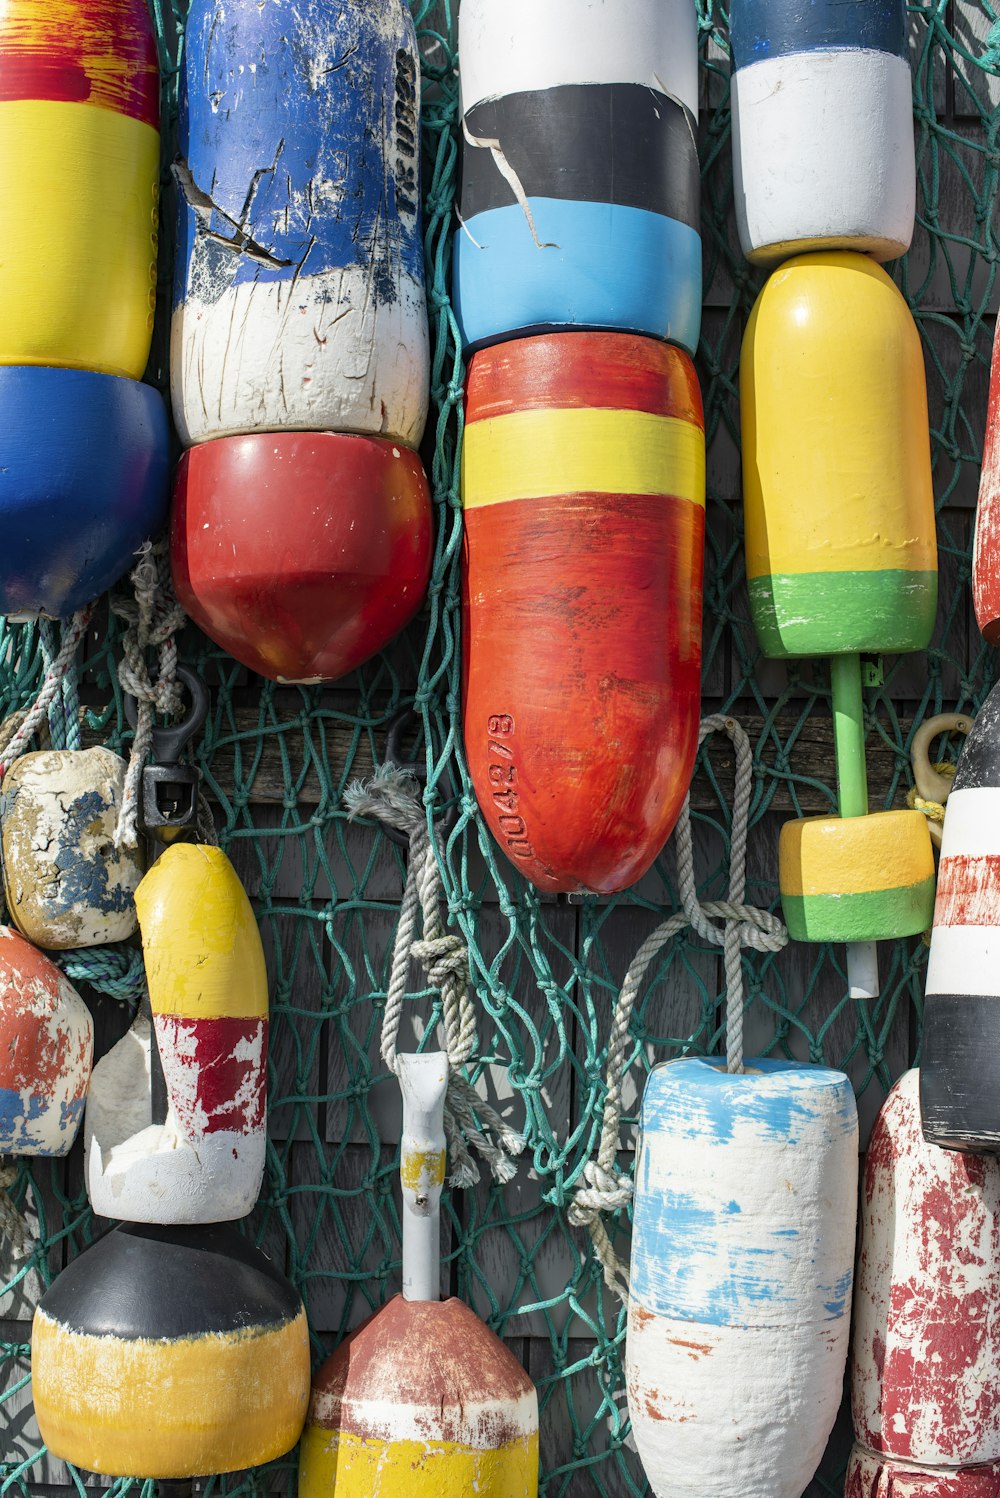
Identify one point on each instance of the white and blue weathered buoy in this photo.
(65, 882)
(742, 1267)
(580, 184)
(822, 127)
(299, 283)
(960, 1053)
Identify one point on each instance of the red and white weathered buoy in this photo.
(46, 1049)
(925, 1392)
(65, 882)
(422, 1398)
(202, 1162)
(986, 546)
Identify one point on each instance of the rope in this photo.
(743, 926)
(13, 1227)
(932, 810)
(393, 798)
(52, 686)
(152, 617)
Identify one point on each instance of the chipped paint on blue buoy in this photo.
(823, 151)
(742, 1269)
(299, 285)
(65, 882)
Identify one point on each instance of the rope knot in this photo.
(605, 1191)
(445, 959)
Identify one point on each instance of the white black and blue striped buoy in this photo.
(960, 1050)
(299, 277)
(822, 127)
(580, 183)
(741, 1275)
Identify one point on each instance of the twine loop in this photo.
(729, 924)
(393, 798)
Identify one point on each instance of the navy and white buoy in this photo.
(822, 127)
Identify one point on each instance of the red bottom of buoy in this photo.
(301, 553)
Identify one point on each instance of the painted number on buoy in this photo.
(503, 778)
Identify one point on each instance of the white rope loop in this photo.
(51, 687)
(741, 926)
(392, 797)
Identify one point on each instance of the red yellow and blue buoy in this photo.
(583, 484)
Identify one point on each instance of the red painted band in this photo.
(986, 551)
(101, 53)
(968, 891)
(215, 1071)
(615, 371)
(581, 677)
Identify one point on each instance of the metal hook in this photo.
(169, 742)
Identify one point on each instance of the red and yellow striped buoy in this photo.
(79, 183)
(583, 482)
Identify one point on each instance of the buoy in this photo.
(422, 1398)
(986, 544)
(83, 484)
(170, 1352)
(299, 292)
(203, 1161)
(925, 1382)
(959, 1066)
(580, 182)
(65, 882)
(46, 1049)
(822, 127)
(301, 553)
(79, 185)
(583, 483)
(742, 1264)
(841, 559)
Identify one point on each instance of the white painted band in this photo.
(964, 960)
(719, 1410)
(823, 151)
(516, 46)
(317, 354)
(972, 822)
(472, 1423)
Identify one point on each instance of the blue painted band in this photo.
(17, 1114)
(759, 29)
(746, 1279)
(598, 266)
(84, 463)
(298, 131)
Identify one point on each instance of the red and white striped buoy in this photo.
(926, 1366)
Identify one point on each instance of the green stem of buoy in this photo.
(849, 735)
(852, 796)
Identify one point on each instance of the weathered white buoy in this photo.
(822, 127)
(422, 1398)
(742, 1263)
(46, 1049)
(960, 1049)
(580, 183)
(299, 286)
(65, 882)
(203, 1162)
(925, 1389)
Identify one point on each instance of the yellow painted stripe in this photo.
(836, 452)
(347, 1466)
(78, 224)
(854, 855)
(422, 1168)
(200, 941)
(131, 1408)
(530, 454)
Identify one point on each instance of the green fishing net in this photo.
(545, 970)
